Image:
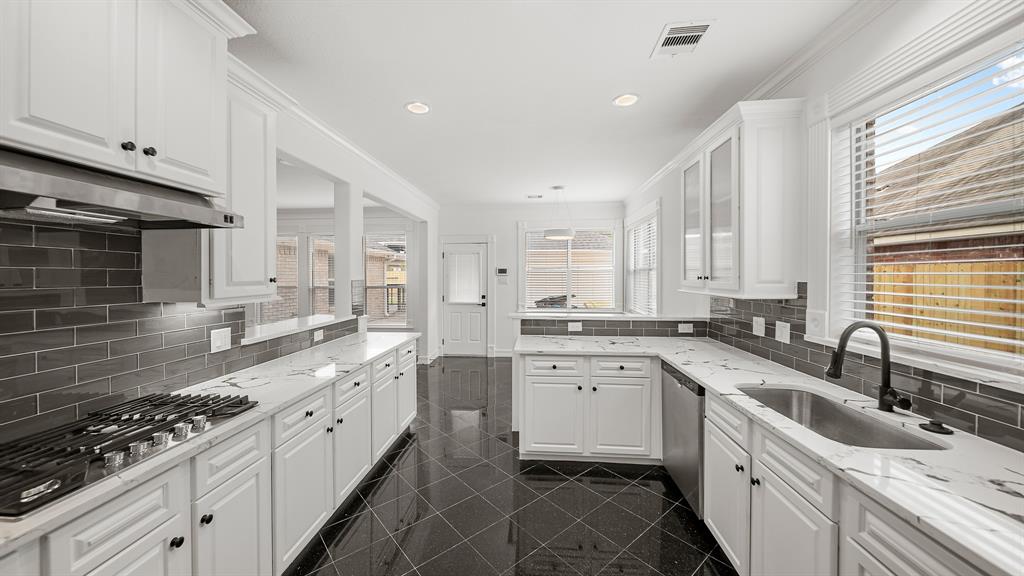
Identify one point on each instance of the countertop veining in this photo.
(969, 498)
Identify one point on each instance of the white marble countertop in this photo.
(274, 384)
(263, 332)
(969, 498)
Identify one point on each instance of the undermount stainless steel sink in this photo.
(836, 421)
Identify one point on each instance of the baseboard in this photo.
(589, 458)
(501, 352)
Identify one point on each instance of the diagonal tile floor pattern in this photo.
(452, 498)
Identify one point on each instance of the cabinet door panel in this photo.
(237, 538)
(723, 212)
(385, 414)
(182, 68)
(693, 223)
(352, 451)
(67, 79)
(303, 491)
(620, 416)
(788, 536)
(152, 555)
(406, 395)
(245, 259)
(554, 415)
(727, 495)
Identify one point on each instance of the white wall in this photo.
(501, 220)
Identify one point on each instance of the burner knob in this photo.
(113, 459)
(180, 432)
(136, 449)
(161, 439)
(198, 423)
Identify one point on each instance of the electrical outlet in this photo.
(575, 326)
(685, 328)
(758, 326)
(220, 339)
(318, 335)
(782, 332)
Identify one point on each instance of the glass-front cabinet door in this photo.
(693, 251)
(723, 212)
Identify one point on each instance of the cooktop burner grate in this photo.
(40, 468)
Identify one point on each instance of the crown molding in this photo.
(839, 31)
(244, 77)
(221, 17)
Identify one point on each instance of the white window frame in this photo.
(617, 265)
(630, 223)
(406, 227)
(925, 64)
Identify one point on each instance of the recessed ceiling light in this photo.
(417, 107)
(625, 100)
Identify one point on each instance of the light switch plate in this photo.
(758, 326)
(575, 326)
(685, 328)
(782, 332)
(318, 335)
(220, 339)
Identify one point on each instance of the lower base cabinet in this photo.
(155, 554)
(727, 495)
(554, 415)
(620, 416)
(352, 452)
(406, 395)
(385, 413)
(303, 491)
(788, 536)
(232, 528)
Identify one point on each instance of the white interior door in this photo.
(465, 299)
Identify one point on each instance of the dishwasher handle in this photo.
(681, 379)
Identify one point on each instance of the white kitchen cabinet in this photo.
(619, 418)
(406, 395)
(22, 562)
(157, 553)
(742, 189)
(353, 456)
(727, 495)
(143, 94)
(232, 529)
(303, 491)
(67, 79)
(788, 536)
(554, 414)
(385, 412)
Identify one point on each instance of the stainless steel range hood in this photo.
(44, 190)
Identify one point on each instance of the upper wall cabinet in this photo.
(135, 87)
(742, 201)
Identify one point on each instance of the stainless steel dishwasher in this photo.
(683, 434)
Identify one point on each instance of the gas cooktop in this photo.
(43, 467)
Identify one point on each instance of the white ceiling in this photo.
(520, 92)
(301, 188)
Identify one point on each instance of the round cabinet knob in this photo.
(149, 151)
(579, 387)
(594, 388)
(554, 366)
(309, 413)
(739, 467)
(330, 429)
(357, 383)
(177, 541)
(273, 279)
(128, 146)
(621, 367)
(341, 420)
(206, 519)
(755, 481)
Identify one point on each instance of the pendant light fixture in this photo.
(560, 233)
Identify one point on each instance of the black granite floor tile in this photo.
(666, 553)
(542, 562)
(446, 492)
(721, 561)
(383, 558)
(713, 567)
(570, 469)
(659, 482)
(603, 481)
(684, 524)
(616, 523)
(627, 563)
(427, 539)
(471, 515)
(641, 502)
(509, 495)
(482, 476)
(630, 472)
(576, 498)
(351, 534)
(504, 544)
(312, 560)
(583, 548)
(462, 559)
(543, 520)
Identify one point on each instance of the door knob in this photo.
(755, 481)
(177, 541)
(621, 367)
(554, 366)
(128, 146)
(206, 519)
(739, 467)
(594, 388)
(579, 387)
(149, 151)
(341, 420)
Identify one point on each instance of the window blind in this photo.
(570, 274)
(928, 216)
(642, 265)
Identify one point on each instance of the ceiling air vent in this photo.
(679, 38)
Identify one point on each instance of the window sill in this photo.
(994, 376)
(264, 332)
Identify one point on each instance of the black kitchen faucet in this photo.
(887, 395)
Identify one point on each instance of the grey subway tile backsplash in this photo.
(975, 407)
(558, 327)
(75, 335)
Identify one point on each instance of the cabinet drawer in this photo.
(291, 421)
(351, 385)
(383, 364)
(407, 353)
(554, 366)
(229, 457)
(731, 421)
(620, 367)
(22, 562)
(809, 479)
(897, 545)
(94, 538)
